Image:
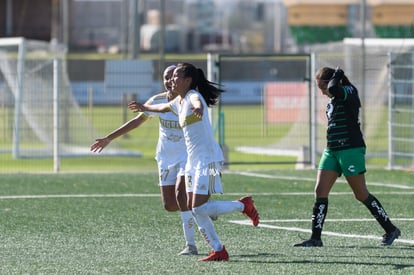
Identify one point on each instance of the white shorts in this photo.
(204, 180)
(168, 175)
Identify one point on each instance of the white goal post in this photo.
(35, 88)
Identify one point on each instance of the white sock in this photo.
(188, 226)
(215, 208)
(206, 228)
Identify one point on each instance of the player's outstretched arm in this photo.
(157, 108)
(101, 143)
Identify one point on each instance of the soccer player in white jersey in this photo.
(203, 172)
(171, 156)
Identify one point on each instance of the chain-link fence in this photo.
(271, 112)
(283, 113)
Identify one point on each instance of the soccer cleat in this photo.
(250, 210)
(189, 250)
(388, 238)
(221, 255)
(310, 243)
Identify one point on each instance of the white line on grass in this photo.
(267, 176)
(328, 233)
(335, 220)
(57, 196)
(311, 193)
(77, 196)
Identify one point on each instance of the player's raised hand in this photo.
(136, 106)
(197, 111)
(339, 73)
(100, 144)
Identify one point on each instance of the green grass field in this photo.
(113, 223)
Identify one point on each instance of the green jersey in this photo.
(343, 130)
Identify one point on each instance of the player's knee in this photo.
(361, 194)
(170, 206)
(360, 197)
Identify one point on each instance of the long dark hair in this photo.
(326, 73)
(209, 90)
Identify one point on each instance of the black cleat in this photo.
(388, 238)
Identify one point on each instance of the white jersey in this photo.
(171, 148)
(202, 148)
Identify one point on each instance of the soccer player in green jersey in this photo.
(344, 154)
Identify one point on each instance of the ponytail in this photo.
(326, 73)
(209, 90)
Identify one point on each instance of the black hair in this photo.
(209, 90)
(326, 73)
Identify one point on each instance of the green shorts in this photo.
(349, 162)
